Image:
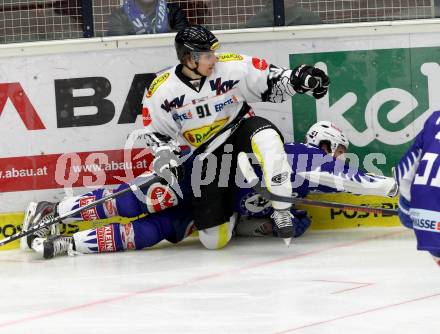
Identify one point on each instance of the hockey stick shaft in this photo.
(252, 178)
(133, 187)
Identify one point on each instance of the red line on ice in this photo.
(359, 313)
(190, 281)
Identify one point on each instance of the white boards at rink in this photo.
(76, 102)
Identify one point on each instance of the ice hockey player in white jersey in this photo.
(418, 175)
(203, 102)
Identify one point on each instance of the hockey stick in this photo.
(252, 178)
(139, 183)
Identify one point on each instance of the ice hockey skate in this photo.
(282, 220)
(35, 213)
(56, 245)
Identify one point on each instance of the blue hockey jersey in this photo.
(418, 176)
(313, 170)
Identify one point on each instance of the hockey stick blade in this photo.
(252, 178)
(136, 185)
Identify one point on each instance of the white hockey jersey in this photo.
(174, 108)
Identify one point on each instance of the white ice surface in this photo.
(345, 282)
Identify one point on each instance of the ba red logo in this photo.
(15, 93)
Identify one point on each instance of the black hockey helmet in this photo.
(194, 38)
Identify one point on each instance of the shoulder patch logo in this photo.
(156, 83)
(224, 57)
(259, 64)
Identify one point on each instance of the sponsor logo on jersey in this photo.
(259, 64)
(253, 204)
(219, 107)
(222, 87)
(160, 197)
(110, 205)
(426, 224)
(89, 214)
(202, 99)
(128, 236)
(156, 83)
(182, 116)
(197, 137)
(175, 103)
(280, 178)
(224, 57)
(146, 118)
(105, 239)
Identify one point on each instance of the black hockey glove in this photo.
(306, 78)
(301, 222)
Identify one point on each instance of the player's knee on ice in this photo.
(217, 237)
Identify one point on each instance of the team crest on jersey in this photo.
(177, 102)
(254, 205)
(197, 137)
(259, 64)
(220, 87)
(156, 83)
(224, 57)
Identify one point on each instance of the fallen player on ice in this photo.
(168, 216)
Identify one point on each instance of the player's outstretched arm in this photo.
(284, 83)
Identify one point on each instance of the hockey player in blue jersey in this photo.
(418, 176)
(324, 144)
(317, 166)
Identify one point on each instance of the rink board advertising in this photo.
(77, 110)
(379, 98)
